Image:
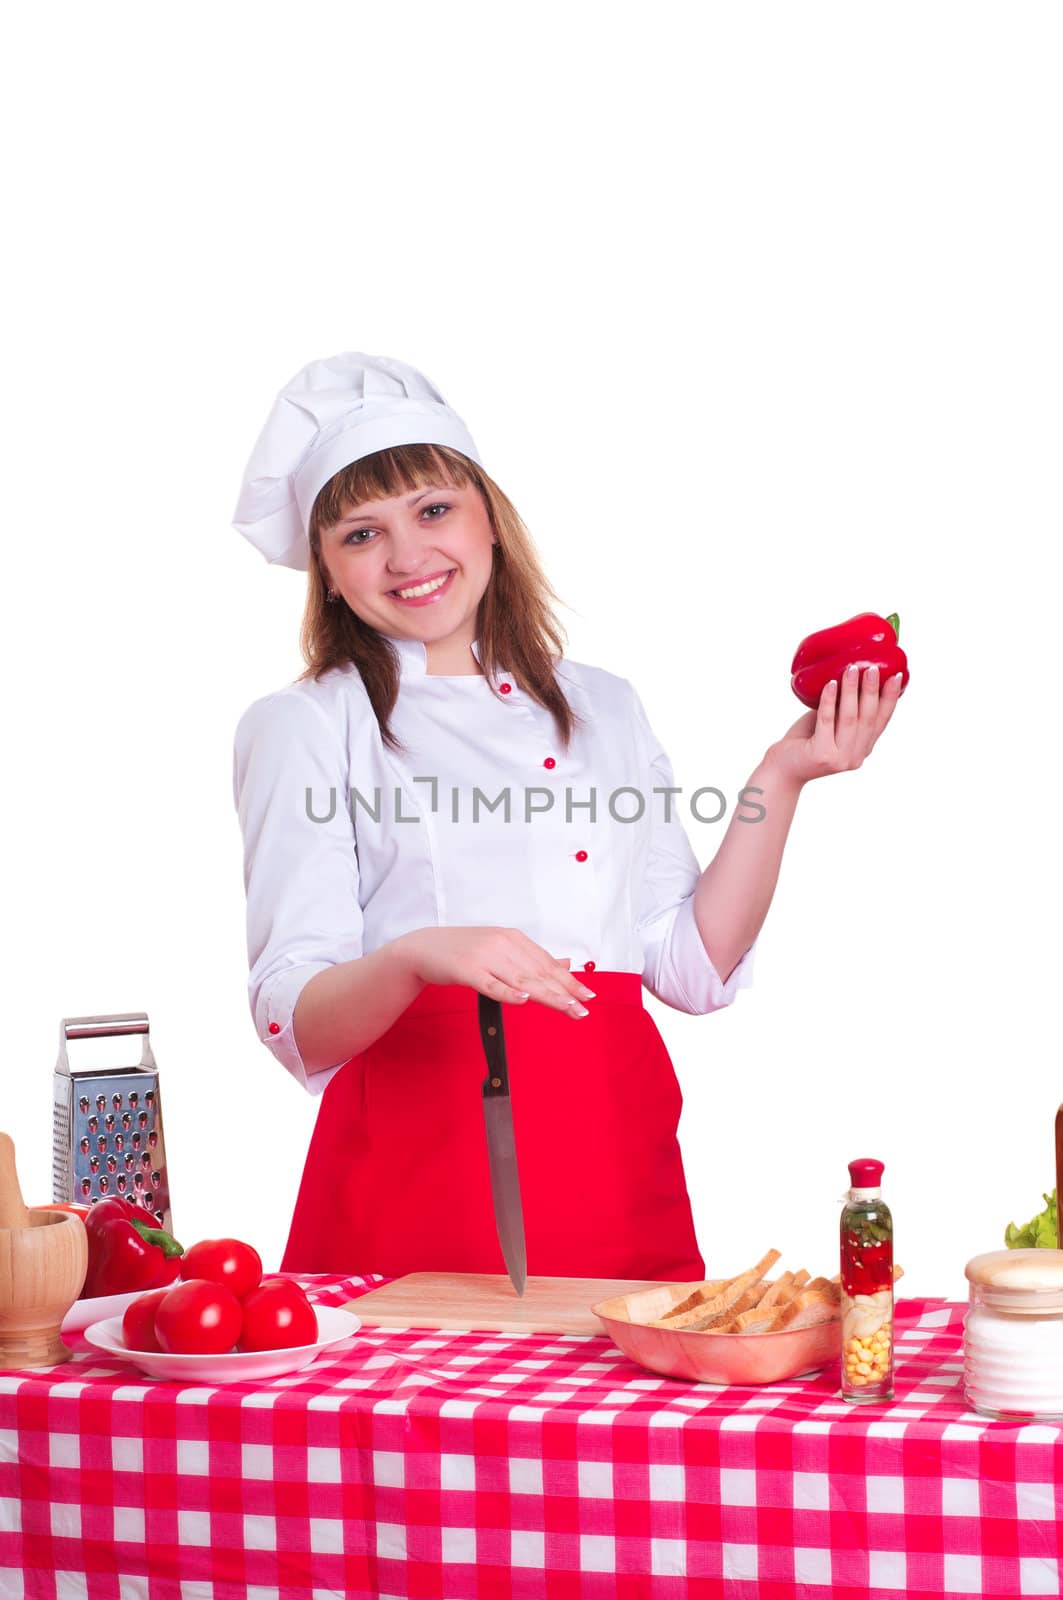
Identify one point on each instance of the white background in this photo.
(755, 314)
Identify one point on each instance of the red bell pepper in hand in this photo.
(864, 641)
(127, 1250)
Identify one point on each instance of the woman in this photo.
(443, 806)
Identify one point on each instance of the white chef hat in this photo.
(331, 413)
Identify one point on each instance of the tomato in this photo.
(138, 1322)
(198, 1318)
(230, 1262)
(277, 1316)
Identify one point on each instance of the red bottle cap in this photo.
(865, 1174)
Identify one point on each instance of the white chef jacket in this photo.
(347, 845)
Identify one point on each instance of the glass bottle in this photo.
(866, 1287)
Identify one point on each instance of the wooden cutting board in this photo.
(488, 1303)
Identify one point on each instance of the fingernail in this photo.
(588, 994)
(851, 670)
(581, 1011)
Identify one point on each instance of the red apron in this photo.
(396, 1179)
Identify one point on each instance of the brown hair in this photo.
(517, 629)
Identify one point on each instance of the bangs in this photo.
(386, 474)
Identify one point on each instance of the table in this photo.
(455, 1466)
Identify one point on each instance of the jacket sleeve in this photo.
(677, 968)
(290, 789)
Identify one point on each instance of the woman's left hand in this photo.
(840, 734)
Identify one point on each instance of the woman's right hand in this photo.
(502, 963)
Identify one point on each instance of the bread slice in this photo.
(777, 1292)
(726, 1297)
(720, 1321)
(805, 1310)
(757, 1321)
(697, 1297)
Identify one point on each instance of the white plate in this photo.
(83, 1312)
(238, 1366)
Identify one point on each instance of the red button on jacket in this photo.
(505, 688)
(274, 1027)
(549, 762)
(581, 855)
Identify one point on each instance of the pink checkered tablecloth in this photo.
(460, 1466)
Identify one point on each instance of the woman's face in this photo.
(385, 546)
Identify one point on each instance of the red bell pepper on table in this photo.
(864, 641)
(127, 1250)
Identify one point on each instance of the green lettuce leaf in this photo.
(1041, 1233)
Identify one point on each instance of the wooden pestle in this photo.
(13, 1213)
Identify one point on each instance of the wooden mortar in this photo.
(44, 1257)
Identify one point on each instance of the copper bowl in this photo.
(722, 1358)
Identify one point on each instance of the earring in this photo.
(330, 596)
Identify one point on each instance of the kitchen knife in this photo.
(501, 1145)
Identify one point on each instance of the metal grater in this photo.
(107, 1123)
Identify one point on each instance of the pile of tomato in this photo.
(220, 1303)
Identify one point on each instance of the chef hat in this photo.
(331, 413)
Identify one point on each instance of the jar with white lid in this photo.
(1013, 1335)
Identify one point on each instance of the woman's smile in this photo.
(424, 591)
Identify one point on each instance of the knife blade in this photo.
(501, 1144)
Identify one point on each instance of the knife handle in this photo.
(494, 1042)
